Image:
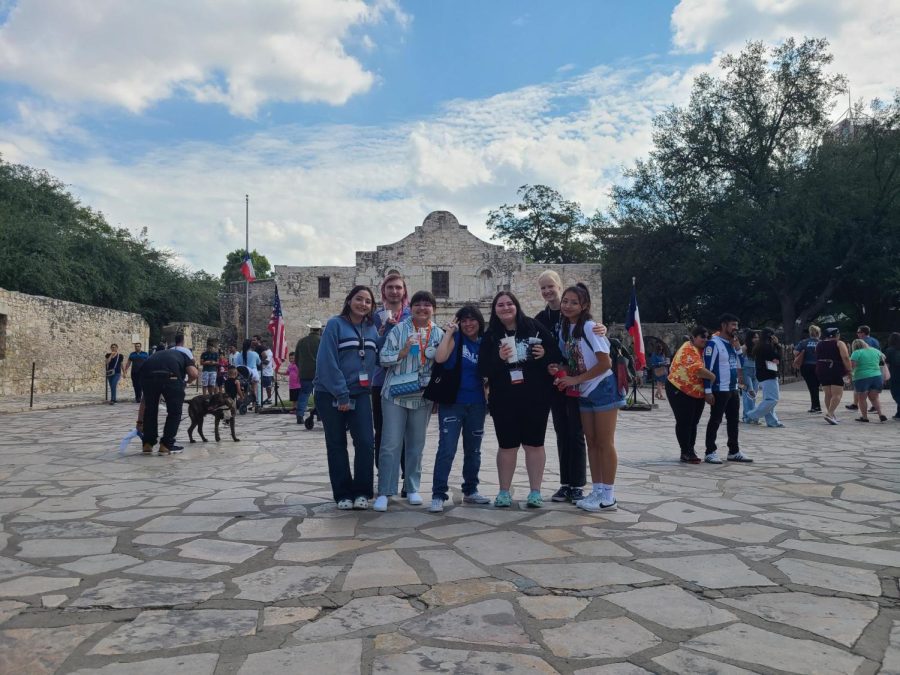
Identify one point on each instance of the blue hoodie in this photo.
(338, 363)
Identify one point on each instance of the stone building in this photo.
(66, 341)
(440, 255)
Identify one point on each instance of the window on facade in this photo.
(324, 287)
(2, 336)
(440, 284)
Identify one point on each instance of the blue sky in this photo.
(347, 121)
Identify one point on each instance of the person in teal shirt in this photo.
(867, 380)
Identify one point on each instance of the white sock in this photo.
(598, 488)
(609, 494)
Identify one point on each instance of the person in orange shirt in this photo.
(684, 387)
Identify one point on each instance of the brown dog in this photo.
(220, 406)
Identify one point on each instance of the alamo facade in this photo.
(440, 255)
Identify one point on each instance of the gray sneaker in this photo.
(476, 498)
(713, 458)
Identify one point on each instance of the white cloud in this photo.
(237, 53)
(320, 194)
(863, 35)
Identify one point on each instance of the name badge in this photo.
(363, 378)
(517, 376)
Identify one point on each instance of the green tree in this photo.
(232, 270)
(545, 227)
(52, 245)
(765, 209)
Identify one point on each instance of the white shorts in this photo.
(208, 379)
(254, 375)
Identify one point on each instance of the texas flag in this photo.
(633, 326)
(247, 268)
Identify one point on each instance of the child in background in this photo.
(222, 372)
(232, 385)
(293, 382)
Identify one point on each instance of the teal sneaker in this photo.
(503, 499)
(535, 500)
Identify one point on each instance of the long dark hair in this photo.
(494, 324)
(245, 347)
(766, 340)
(471, 312)
(584, 299)
(894, 340)
(345, 311)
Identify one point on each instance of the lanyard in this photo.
(422, 356)
(362, 342)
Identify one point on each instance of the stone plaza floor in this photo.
(231, 558)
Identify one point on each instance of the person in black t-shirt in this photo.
(209, 363)
(768, 357)
(513, 357)
(164, 374)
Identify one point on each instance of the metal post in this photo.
(247, 248)
(31, 399)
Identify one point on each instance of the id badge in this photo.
(517, 376)
(363, 378)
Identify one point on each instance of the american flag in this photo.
(276, 328)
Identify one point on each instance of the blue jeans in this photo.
(752, 384)
(359, 421)
(401, 425)
(306, 388)
(113, 383)
(771, 393)
(453, 419)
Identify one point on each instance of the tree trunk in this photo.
(789, 318)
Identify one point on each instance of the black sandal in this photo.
(862, 419)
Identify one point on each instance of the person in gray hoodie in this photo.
(345, 365)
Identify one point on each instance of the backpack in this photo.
(622, 365)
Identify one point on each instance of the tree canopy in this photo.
(234, 259)
(52, 245)
(751, 201)
(545, 227)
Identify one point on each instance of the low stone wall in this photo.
(65, 340)
(195, 335)
(672, 334)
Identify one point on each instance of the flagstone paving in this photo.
(232, 558)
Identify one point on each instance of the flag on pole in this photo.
(633, 326)
(276, 328)
(247, 268)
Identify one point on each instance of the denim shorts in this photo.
(866, 384)
(603, 397)
(208, 378)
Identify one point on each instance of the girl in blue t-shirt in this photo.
(458, 351)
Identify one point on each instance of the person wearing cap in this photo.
(305, 357)
(832, 365)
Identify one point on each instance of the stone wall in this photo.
(195, 335)
(476, 270)
(66, 340)
(232, 309)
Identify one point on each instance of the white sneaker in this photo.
(345, 505)
(380, 504)
(437, 505)
(609, 506)
(713, 458)
(361, 503)
(476, 498)
(589, 503)
(414, 499)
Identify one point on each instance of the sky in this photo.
(348, 121)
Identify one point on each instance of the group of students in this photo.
(381, 371)
(726, 373)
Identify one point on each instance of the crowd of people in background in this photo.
(379, 371)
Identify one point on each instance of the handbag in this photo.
(110, 372)
(405, 384)
(885, 371)
(443, 385)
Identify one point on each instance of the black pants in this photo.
(812, 383)
(727, 405)
(173, 390)
(688, 411)
(378, 420)
(569, 439)
(136, 383)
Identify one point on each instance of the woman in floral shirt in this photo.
(684, 387)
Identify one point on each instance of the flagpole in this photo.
(247, 249)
